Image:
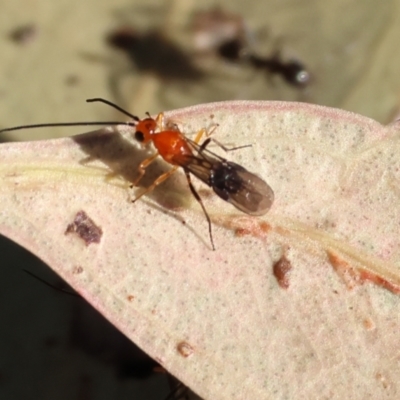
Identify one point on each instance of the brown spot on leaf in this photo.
(353, 276)
(77, 270)
(130, 297)
(368, 324)
(344, 270)
(257, 229)
(281, 271)
(85, 228)
(381, 378)
(366, 276)
(185, 349)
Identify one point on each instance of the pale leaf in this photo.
(288, 306)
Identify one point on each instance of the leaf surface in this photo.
(300, 303)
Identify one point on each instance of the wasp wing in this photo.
(200, 163)
(243, 189)
(230, 181)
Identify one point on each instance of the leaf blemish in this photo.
(77, 270)
(253, 228)
(85, 228)
(185, 349)
(281, 270)
(353, 276)
(369, 324)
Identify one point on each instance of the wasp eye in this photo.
(139, 136)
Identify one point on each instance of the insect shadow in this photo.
(121, 158)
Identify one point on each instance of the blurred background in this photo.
(149, 55)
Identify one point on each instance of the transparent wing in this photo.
(243, 189)
(200, 163)
(230, 181)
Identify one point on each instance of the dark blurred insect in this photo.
(24, 34)
(230, 181)
(152, 52)
(227, 35)
(293, 71)
(212, 28)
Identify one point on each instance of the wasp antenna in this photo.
(91, 123)
(198, 198)
(111, 104)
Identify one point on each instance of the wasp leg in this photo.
(157, 182)
(160, 121)
(198, 198)
(224, 147)
(142, 169)
(203, 131)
